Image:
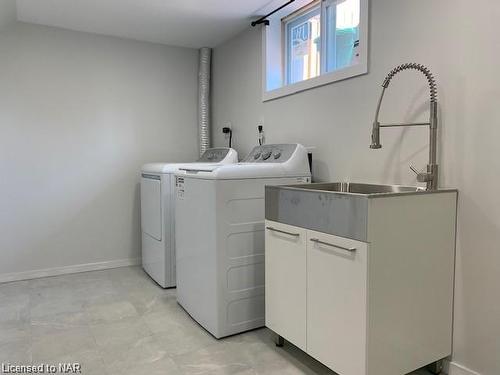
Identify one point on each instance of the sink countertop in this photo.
(337, 208)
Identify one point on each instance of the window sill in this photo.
(321, 80)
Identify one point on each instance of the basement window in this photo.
(309, 44)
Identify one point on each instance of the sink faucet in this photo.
(430, 177)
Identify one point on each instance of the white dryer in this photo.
(157, 212)
(220, 236)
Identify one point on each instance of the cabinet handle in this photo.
(282, 231)
(351, 249)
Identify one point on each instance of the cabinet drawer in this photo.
(286, 282)
(336, 302)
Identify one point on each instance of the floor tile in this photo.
(64, 343)
(258, 349)
(119, 321)
(215, 359)
(148, 302)
(120, 333)
(162, 320)
(14, 308)
(54, 299)
(164, 366)
(110, 311)
(14, 330)
(181, 338)
(16, 352)
(15, 288)
(54, 281)
(95, 291)
(56, 306)
(56, 323)
(122, 357)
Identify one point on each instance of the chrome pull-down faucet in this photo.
(430, 177)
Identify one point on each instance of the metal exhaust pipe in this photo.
(205, 57)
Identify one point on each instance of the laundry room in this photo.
(249, 187)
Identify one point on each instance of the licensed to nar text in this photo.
(60, 368)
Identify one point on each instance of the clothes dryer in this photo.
(157, 212)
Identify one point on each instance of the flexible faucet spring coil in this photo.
(420, 68)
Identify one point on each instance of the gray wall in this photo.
(7, 13)
(459, 40)
(79, 115)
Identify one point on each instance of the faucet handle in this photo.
(421, 176)
(414, 169)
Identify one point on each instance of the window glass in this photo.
(342, 33)
(303, 56)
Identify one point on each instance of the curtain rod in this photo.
(264, 19)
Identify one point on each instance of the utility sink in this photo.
(339, 208)
(348, 267)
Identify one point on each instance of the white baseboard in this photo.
(35, 274)
(453, 368)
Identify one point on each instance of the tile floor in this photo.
(120, 322)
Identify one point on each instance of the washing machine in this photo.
(157, 212)
(220, 236)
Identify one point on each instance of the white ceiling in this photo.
(188, 23)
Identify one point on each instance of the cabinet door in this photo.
(286, 282)
(336, 302)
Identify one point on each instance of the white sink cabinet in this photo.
(382, 306)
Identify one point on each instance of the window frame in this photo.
(270, 40)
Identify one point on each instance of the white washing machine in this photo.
(220, 236)
(157, 212)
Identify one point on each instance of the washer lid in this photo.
(211, 157)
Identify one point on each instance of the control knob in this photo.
(266, 155)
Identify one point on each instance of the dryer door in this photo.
(151, 206)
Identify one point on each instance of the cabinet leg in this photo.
(279, 340)
(436, 367)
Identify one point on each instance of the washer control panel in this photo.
(278, 153)
(213, 155)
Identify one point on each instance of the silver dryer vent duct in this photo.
(204, 99)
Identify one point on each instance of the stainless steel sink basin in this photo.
(358, 188)
(339, 208)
